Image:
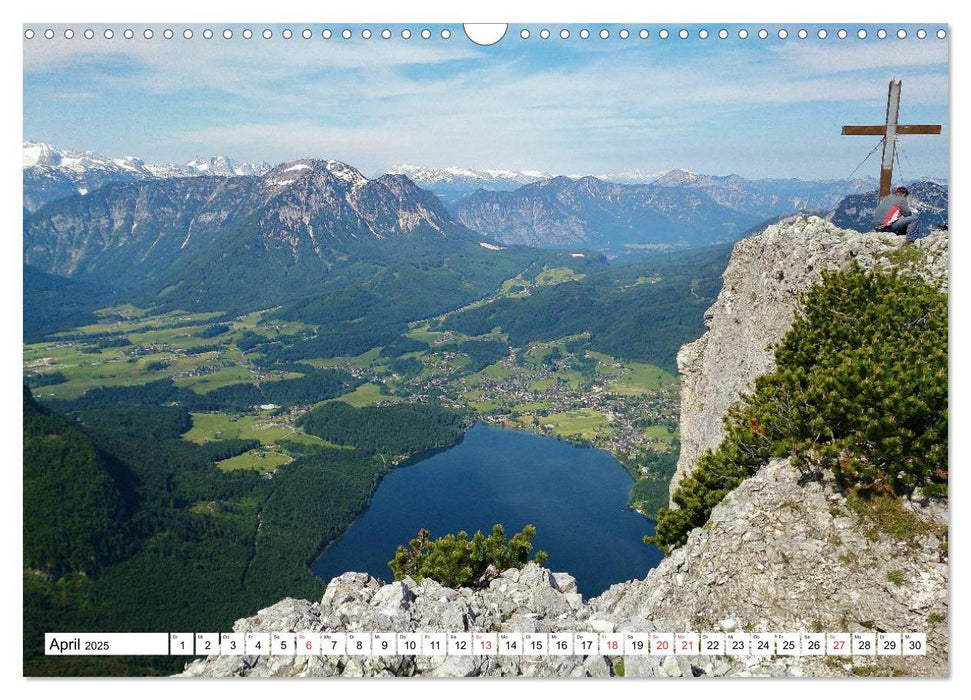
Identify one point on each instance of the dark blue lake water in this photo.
(575, 496)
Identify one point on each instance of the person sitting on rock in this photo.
(894, 214)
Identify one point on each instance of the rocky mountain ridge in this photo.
(676, 209)
(564, 212)
(454, 182)
(782, 552)
(297, 213)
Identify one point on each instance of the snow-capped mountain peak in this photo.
(451, 174)
(40, 154)
(51, 172)
(285, 174)
(44, 155)
(346, 173)
(221, 165)
(288, 173)
(675, 177)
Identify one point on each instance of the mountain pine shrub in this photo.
(456, 561)
(860, 387)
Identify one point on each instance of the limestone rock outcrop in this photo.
(763, 285)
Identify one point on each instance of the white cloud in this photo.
(832, 56)
(378, 102)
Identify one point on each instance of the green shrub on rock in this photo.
(456, 561)
(860, 387)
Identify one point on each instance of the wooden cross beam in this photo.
(890, 131)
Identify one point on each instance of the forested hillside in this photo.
(640, 311)
(130, 527)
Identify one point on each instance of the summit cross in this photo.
(890, 131)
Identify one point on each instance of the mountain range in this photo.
(298, 224)
(229, 235)
(453, 184)
(51, 173)
(677, 209)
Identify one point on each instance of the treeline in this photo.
(202, 349)
(403, 345)
(334, 340)
(387, 430)
(406, 367)
(315, 385)
(315, 498)
(46, 379)
(95, 344)
(212, 331)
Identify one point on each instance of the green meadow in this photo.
(365, 395)
(212, 427)
(583, 422)
(661, 433)
(261, 460)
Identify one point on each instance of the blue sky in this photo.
(757, 107)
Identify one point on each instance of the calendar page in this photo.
(537, 349)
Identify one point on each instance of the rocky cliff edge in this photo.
(761, 292)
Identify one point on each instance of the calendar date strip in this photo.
(351, 644)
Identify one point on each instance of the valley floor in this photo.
(552, 388)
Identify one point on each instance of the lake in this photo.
(575, 496)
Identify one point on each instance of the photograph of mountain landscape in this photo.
(552, 350)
